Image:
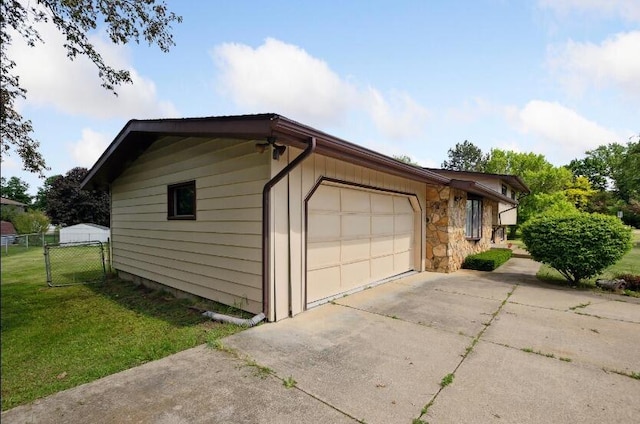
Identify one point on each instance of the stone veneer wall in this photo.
(437, 208)
(446, 243)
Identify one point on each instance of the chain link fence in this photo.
(76, 263)
(25, 241)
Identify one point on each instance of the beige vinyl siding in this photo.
(300, 182)
(216, 256)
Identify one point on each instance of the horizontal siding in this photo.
(216, 256)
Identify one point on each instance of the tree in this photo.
(15, 189)
(40, 201)
(579, 192)
(406, 159)
(599, 165)
(125, 20)
(579, 245)
(465, 156)
(31, 222)
(68, 205)
(627, 175)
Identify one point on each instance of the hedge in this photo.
(487, 261)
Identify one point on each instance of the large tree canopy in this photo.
(67, 204)
(124, 21)
(15, 189)
(465, 156)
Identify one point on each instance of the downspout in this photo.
(266, 220)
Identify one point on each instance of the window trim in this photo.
(474, 201)
(171, 204)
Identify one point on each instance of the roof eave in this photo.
(482, 190)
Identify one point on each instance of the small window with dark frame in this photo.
(181, 201)
(473, 228)
(513, 194)
(504, 190)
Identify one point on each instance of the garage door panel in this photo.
(355, 275)
(355, 201)
(402, 261)
(382, 267)
(381, 203)
(356, 226)
(323, 226)
(403, 223)
(354, 250)
(402, 205)
(322, 254)
(382, 246)
(381, 225)
(402, 243)
(326, 198)
(323, 283)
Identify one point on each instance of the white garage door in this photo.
(356, 237)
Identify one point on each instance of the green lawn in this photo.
(629, 264)
(57, 338)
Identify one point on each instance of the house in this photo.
(8, 233)
(12, 204)
(270, 215)
(81, 233)
(512, 186)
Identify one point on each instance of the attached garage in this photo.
(357, 236)
(274, 216)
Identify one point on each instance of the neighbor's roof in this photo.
(138, 135)
(513, 180)
(85, 224)
(5, 201)
(7, 228)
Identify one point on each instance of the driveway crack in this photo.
(449, 377)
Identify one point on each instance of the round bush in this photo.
(578, 245)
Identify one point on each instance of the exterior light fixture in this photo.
(277, 150)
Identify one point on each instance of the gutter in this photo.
(266, 220)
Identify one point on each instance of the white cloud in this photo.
(615, 61)
(88, 149)
(284, 78)
(560, 131)
(401, 118)
(626, 9)
(74, 87)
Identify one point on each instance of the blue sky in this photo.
(556, 77)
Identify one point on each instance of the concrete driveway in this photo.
(513, 349)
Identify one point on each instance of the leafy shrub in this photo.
(487, 261)
(579, 245)
(31, 222)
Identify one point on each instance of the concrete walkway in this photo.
(518, 352)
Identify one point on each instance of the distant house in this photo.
(511, 186)
(80, 233)
(12, 204)
(8, 232)
(270, 215)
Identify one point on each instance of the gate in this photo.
(75, 263)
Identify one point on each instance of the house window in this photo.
(473, 229)
(504, 190)
(513, 194)
(181, 201)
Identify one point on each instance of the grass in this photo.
(446, 380)
(57, 338)
(629, 264)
